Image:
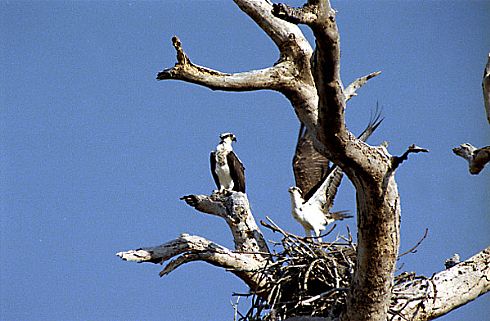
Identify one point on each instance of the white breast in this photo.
(223, 171)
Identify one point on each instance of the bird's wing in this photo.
(309, 166)
(237, 172)
(325, 194)
(212, 162)
(329, 185)
(486, 88)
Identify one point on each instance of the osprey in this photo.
(311, 168)
(227, 170)
(312, 210)
(313, 214)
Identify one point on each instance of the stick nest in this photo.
(311, 278)
(306, 277)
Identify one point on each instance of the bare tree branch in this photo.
(412, 149)
(193, 248)
(207, 204)
(427, 299)
(305, 15)
(280, 31)
(235, 209)
(181, 260)
(251, 251)
(413, 249)
(273, 78)
(477, 157)
(294, 49)
(350, 91)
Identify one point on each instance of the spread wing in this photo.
(327, 191)
(309, 166)
(237, 172)
(212, 161)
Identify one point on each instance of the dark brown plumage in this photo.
(312, 168)
(230, 168)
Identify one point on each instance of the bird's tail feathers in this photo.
(340, 215)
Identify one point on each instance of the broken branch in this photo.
(350, 91)
(235, 209)
(477, 157)
(428, 298)
(273, 78)
(412, 149)
(188, 248)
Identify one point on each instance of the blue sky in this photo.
(95, 153)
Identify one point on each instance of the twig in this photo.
(413, 248)
(412, 149)
(322, 295)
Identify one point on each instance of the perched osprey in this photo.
(312, 209)
(227, 170)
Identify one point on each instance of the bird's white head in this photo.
(227, 137)
(296, 199)
(295, 193)
(294, 190)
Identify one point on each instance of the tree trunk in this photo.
(310, 80)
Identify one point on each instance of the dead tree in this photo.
(310, 79)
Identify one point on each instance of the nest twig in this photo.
(306, 278)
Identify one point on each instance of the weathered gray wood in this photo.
(477, 157)
(351, 90)
(234, 208)
(427, 299)
(268, 78)
(187, 248)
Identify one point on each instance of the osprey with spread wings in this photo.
(317, 183)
